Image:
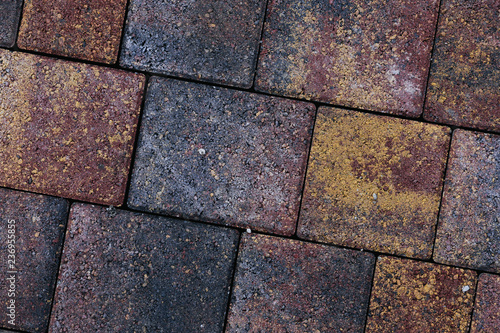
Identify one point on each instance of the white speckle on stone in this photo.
(202, 151)
(249, 230)
(465, 288)
(375, 196)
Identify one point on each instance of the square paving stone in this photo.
(67, 129)
(410, 296)
(222, 156)
(486, 318)
(367, 54)
(83, 29)
(130, 272)
(10, 10)
(215, 41)
(464, 83)
(374, 182)
(284, 285)
(468, 232)
(31, 234)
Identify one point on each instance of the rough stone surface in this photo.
(374, 182)
(486, 318)
(37, 223)
(414, 297)
(83, 29)
(67, 129)
(284, 285)
(130, 272)
(464, 84)
(367, 54)
(214, 41)
(10, 10)
(469, 231)
(223, 156)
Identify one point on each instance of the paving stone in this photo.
(464, 83)
(83, 29)
(411, 296)
(130, 272)
(468, 232)
(10, 10)
(31, 231)
(486, 318)
(67, 129)
(214, 41)
(374, 182)
(368, 54)
(223, 156)
(284, 285)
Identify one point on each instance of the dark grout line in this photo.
(122, 37)
(473, 302)
(259, 49)
(231, 284)
(370, 293)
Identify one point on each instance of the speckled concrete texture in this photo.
(220, 155)
(486, 318)
(67, 129)
(284, 285)
(469, 231)
(413, 297)
(374, 182)
(83, 29)
(130, 272)
(10, 10)
(464, 84)
(31, 233)
(214, 41)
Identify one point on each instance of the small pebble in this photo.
(465, 288)
(374, 196)
(202, 151)
(249, 230)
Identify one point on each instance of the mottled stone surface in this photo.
(223, 156)
(469, 231)
(83, 29)
(67, 129)
(413, 297)
(464, 84)
(374, 182)
(367, 54)
(130, 272)
(486, 318)
(31, 231)
(10, 10)
(284, 285)
(215, 41)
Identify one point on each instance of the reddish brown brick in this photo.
(67, 129)
(284, 285)
(410, 296)
(31, 231)
(464, 84)
(83, 29)
(374, 182)
(469, 231)
(486, 318)
(10, 10)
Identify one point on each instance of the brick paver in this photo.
(410, 296)
(10, 11)
(374, 182)
(67, 129)
(124, 271)
(31, 234)
(284, 285)
(219, 155)
(468, 231)
(83, 29)
(464, 84)
(486, 318)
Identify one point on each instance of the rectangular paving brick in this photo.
(67, 129)
(468, 232)
(368, 54)
(31, 236)
(284, 285)
(464, 83)
(374, 182)
(414, 297)
(223, 156)
(486, 318)
(130, 272)
(214, 41)
(10, 10)
(83, 29)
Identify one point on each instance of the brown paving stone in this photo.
(464, 84)
(410, 296)
(374, 182)
(83, 29)
(469, 231)
(368, 54)
(284, 285)
(486, 318)
(130, 272)
(37, 223)
(67, 129)
(10, 10)
(220, 155)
